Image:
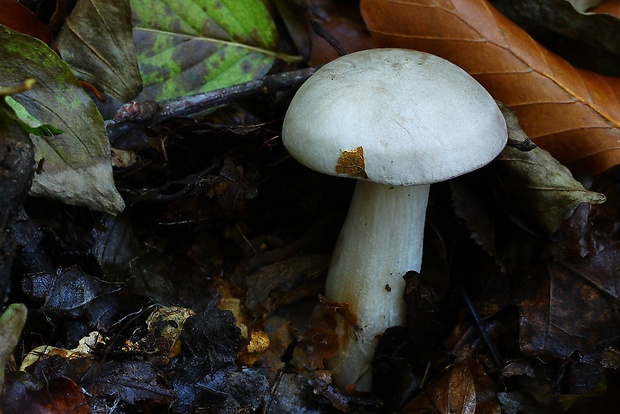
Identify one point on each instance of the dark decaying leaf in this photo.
(17, 155)
(475, 214)
(569, 302)
(73, 293)
(213, 338)
(231, 188)
(563, 312)
(97, 43)
(285, 282)
(602, 398)
(22, 395)
(115, 245)
(313, 393)
(245, 390)
(129, 381)
(208, 377)
(287, 395)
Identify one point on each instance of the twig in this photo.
(479, 324)
(525, 145)
(326, 35)
(136, 115)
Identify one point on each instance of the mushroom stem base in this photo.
(380, 241)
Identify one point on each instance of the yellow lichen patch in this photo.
(352, 163)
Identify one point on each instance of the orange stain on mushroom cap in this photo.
(352, 163)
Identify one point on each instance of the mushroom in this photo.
(397, 120)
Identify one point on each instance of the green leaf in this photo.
(77, 166)
(12, 109)
(192, 46)
(29, 123)
(97, 43)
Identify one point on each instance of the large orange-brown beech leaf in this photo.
(572, 113)
(610, 7)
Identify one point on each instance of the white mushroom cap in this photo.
(394, 116)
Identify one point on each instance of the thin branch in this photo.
(137, 115)
(326, 35)
(486, 337)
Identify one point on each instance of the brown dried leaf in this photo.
(281, 336)
(19, 18)
(319, 341)
(574, 114)
(465, 389)
(610, 7)
(341, 19)
(562, 312)
(97, 43)
(569, 302)
(546, 188)
(285, 281)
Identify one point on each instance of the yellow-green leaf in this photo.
(192, 46)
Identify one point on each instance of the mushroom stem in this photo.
(380, 241)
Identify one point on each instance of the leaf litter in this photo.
(226, 241)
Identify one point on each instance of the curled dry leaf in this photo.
(97, 43)
(546, 187)
(574, 114)
(466, 388)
